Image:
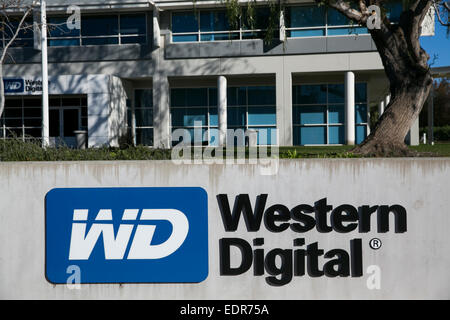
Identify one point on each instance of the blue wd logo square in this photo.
(127, 235)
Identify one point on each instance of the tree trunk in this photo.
(406, 66)
(388, 137)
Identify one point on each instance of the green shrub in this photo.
(31, 150)
(440, 133)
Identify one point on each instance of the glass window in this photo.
(309, 135)
(213, 117)
(133, 24)
(35, 133)
(184, 22)
(314, 94)
(58, 28)
(335, 18)
(103, 30)
(178, 97)
(346, 31)
(143, 115)
(361, 92)
(306, 33)
(25, 35)
(197, 97)
(336, 114)
(212, 96)
(214, 25)
(311, 114)
(394, 10)
(361, 113)
(327, 121)
(336, 93)
(261, 95)
(213, 21)
(13, 113)
(144, 136)
(237, 96)
(306, 16)
(99, 30)
(63, 42)
(32, 112)
(100, 25)
(185, 38)
(260, 19)
(336, 135)
(213, 137)
(143, 98)
(189, 117)
(191, 105)
(100, 41)
(262, 116)
(127, 40)
(266, 136)
(143, 108)
(361, 133)
(236, 116)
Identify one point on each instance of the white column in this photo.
(45, 113)
(161, 115)
(414, 133)
(380, 108)
(282, 27)
(284, 107)
(156, 29)
(222, 109)
(387, 100)
(431, 117)
(350, 108)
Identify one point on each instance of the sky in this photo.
(438, 45)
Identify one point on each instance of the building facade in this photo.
(139, 70)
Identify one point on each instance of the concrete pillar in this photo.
(156, 29)
(283, 84)
(350, 108)
(387, 100)
(222, 109)
(282, 26)
(414, 133)
(381, 108)
(431, 117)
(161, 114)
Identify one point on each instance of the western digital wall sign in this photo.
(127, 235)
(160, 235)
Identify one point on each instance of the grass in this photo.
(17, 150)
(316, 152)
(440, 149)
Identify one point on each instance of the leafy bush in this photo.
(440, 133)
(31, 150)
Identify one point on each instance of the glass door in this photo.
(70, 123)
(63, 122)
(54, 127)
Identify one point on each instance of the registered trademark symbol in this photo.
(375, 243)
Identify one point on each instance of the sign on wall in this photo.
(23, 86)
(127, 235)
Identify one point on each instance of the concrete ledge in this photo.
(420, 186)
(244, 48)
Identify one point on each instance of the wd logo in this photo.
(13, 85)
(82, 243)
(127, 235)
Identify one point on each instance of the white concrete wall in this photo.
(414, 265)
